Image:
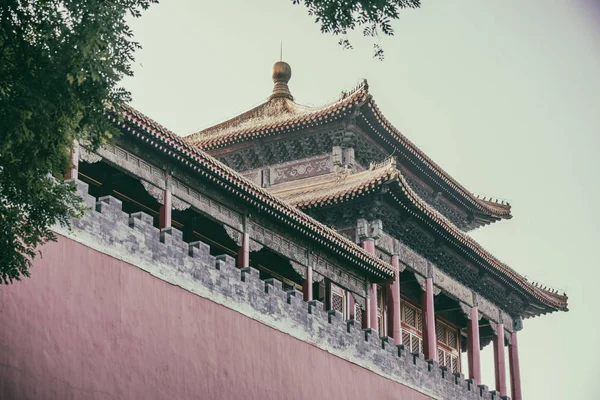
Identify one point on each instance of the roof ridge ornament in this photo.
(282, 73)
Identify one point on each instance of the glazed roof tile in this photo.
(341, 187)
(173, 145)
(283, 115)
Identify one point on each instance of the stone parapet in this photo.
(164, 254)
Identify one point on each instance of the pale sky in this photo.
(502, 95)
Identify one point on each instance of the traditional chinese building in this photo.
(325, 224)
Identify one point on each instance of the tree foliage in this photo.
(337, 17)
(60, 64)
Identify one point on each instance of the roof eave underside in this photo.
(545, 300)
(360, 98)
(174, 146)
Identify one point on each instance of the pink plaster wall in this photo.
(88, 326)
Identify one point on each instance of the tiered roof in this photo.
(182, 152)
(286, 204)
(343, 186)
(280, 115)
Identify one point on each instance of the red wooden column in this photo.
(394, 303)
(244, 252)
(515, 370)
(473, 345)
(307, 285)
(371, 302)
(499, 360)
(164, 218)
(429, 338)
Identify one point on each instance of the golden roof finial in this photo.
(282, 73)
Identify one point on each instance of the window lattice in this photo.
(337, 302)
(448, 360)
(358, 313)
(452, 340)
(441, 332)
(406, 339)
(410, 315)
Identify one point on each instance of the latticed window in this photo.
(448, 346)
(412, 342)
(412, 316)
(358, 314)
(380, 319)
(338, 300)
(412, 326)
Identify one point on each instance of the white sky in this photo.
(502, 95)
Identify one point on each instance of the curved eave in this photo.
(160, 138)
(486, 210)
(319, 116)
(491, 210)
(541, 300)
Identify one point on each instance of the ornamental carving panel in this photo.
(300, 169)
(452, 287)
(254, 246)
(411, 259)
(340, 276)
(133, 164)
(207, 205)
(234, 235)
(277, 242)
(88, 156)
(386, 243)
(254, 176)
(488, 310)
(508, 322)
(153, 191)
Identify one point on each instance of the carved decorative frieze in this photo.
(386, 243)
(88, 156)
(234, 235)
(508, 322)
(254, 176)
(157, 194)
(306, 168)
(153, 191)
(452, 288)
(300, 269)
(465, 309)
(133, 164)
(488, 310)
(340, 276)
(254, 246)
(277, 242)
(209, 206)
(411, 259)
